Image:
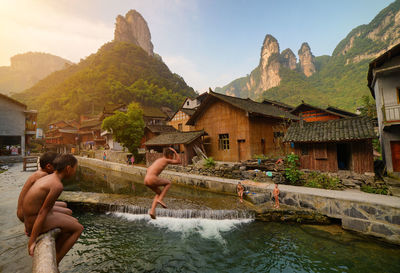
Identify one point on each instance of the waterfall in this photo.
(186, 213)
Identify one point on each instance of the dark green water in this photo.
(119, 242)
(133, 243)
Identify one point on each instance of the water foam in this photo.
(206, 228)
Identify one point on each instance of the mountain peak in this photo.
(306, 60)
(288, 59)
(133, 29)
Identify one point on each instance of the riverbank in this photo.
(369, 214)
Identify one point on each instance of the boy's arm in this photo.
(177, 159)
(44, 210)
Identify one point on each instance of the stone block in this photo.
(381, 229)
(258, 198)
(353, 212)
(355, 224)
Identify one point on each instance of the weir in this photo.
(185, 213)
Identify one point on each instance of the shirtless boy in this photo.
(276, 196)
(39, 201)
(46, 167)
(240, 190)
(154, 182)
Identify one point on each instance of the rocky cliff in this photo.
(288, 59)
(339, 79)
(27, 69)
(134, 29)
(306, 60)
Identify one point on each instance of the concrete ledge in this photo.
(44, 256)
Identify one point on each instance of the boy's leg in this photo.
(70, 231)
(62, 210)
(167, 184)
(154, 204)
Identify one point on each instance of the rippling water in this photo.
(121, 242)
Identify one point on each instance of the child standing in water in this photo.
(39, 216)
(154, 182)
(240, 190)
(276, 196)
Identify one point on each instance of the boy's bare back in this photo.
(45, 190)
(158, 166)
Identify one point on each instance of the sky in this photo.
(208, 42)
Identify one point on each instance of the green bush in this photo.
(209, 162)
(322, 181)
(292, 173)
(261, 156)
(383, 190)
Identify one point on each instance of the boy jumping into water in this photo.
(38, 203)
(46, 167)
(152, 180)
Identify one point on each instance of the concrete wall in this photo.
(385, 94)
(370, 214)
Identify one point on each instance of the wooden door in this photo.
(395, 147)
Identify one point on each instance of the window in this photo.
(187, 103)
(180, 126)
(398, 95)
(223, 142)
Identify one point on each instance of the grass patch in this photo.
(382, 190)
(322, 181)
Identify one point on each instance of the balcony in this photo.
(391, 113)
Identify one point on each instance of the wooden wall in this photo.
(222, 118)
(362, 156)
(318, 115)
(323, 156)
(264, 128)
(181, 118)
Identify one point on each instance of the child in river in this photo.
(39, 216)
(276, 196)
(154, 182)
(240, 191)
(46, 167)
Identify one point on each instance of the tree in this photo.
(368, 107)
(127, 128)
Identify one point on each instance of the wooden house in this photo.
(90, 133)
(183, 142)
(62, 136)
(179, 119)
(310, 113)
(329, 146)
(384, 84)
(239, 128)
(151, 131)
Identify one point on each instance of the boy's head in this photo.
(276, 185)
(168, 153)
(46, 162)
(66, 164)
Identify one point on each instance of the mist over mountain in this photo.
(27, 69)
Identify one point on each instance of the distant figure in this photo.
(46, 167)
(152, 180)
(104, 156)
(132, 159)
(240, 191)
(276, 196)
(38, 206)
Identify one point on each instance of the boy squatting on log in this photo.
(46, 167)
(38, 206)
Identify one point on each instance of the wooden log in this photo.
(44, 256)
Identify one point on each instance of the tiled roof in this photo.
(278, 103)
(188, 111)
(331, 131)
(150, 111)
(161, 128)
(247, 105)
(90, 123)
(301, 107)
(174, 138)
(341, 111)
